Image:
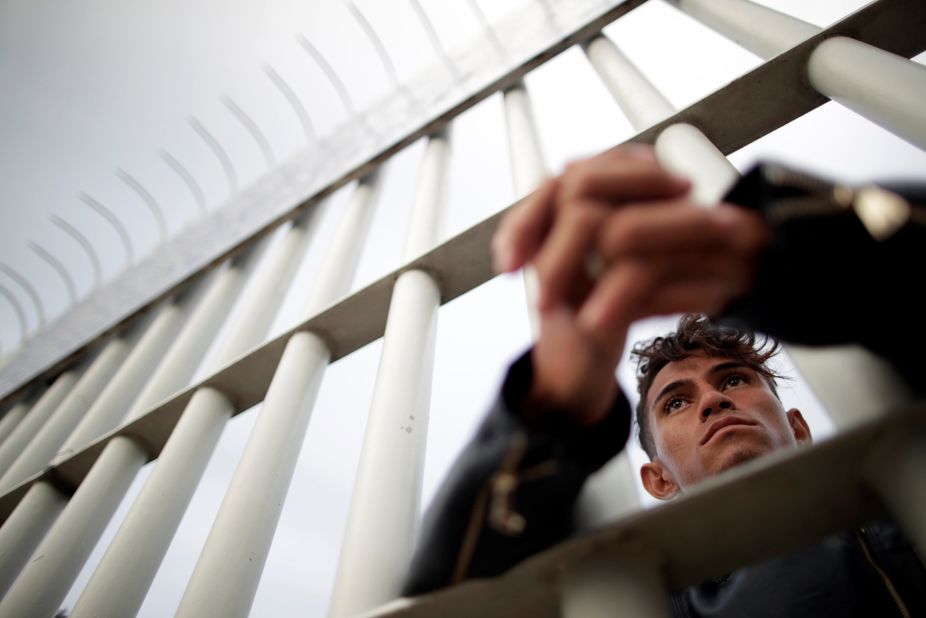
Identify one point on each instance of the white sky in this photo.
(97, 85)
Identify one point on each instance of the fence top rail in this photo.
(301, 182)
(826, 490)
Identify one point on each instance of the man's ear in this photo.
(657, 480)
(799, 426)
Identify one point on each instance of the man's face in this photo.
(708, 414)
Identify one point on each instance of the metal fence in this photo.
(93, 400)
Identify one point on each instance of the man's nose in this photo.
(713, 402)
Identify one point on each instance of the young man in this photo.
(708, 400)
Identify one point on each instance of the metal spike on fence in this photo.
(218, 151)
(30, 290)
(187, 177)
(147, 198)
(262, 142)
(85, 244)
(59, 268)
(113, 220)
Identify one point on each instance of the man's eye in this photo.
(735, 380)
(674, 404)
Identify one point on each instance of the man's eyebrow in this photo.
(671, 386)
(727, 365)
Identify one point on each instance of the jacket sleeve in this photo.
(513, 490)
(825, 279)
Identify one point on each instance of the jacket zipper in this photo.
(887, 581)
(494, 504)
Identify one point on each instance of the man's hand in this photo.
(621, 214)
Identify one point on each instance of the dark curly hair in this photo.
(696, 333)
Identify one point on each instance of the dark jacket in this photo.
(823, 256)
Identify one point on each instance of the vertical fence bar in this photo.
(683, 149)
(46, 405)
(121, 581)
(686, 151)
(24, 528)
(45, 444)
(43, 584)
(612, 492)
(13, 417)
(641, 102)
(528, 169)
(763, 31)
(887, 89)
(383, 514)
(228, 570)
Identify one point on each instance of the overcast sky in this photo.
(93, 86)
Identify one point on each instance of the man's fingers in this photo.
(679, 226)
(618, 179)
(560, 263)
(523, 230)
(641, 288)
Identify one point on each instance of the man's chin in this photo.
(737, 456)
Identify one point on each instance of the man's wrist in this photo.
(591, 445)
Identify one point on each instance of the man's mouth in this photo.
(721, 423)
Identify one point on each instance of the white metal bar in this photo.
(886, 89)
(528, 169)
(130, 563)
(122, 579)
(228, 570)
(24, 529)
(13, 417)
(612, 492)
(56, 428)
(46, 405)
(262, 300)
(381, 527)
(686, 151)
(763, 31)
(528, 164)
(680, 147)
(383, 515)
(42, 584)
(642, 103)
